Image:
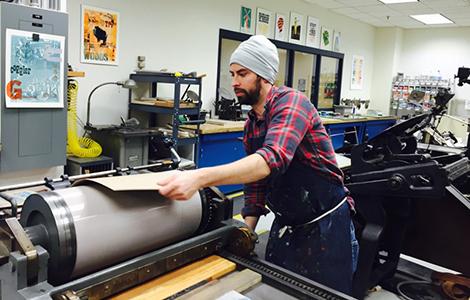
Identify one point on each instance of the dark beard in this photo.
(250, 97)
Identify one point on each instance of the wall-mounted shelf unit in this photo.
(404, 102)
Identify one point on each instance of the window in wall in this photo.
(226, 49)
(315, 72)
(282, 75)
(304, 73)
(329, 82)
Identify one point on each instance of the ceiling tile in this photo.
(402, 21)
(359, 16)
(462, 22)
(378, 14)
(456, 11)
(379, 10)
(417, 26)
(328, 3)
(405, 6)
(355, 3)
(412, 8)
(447, 3)
(346, 10)
(381, 24)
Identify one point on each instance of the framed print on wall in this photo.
(100, 36)
(326, 38)
(337, 41)
(246, 20)
(281, 27)
(34, 69)
(264, 22)
(296, 28)
(313, 32)
(357, 72)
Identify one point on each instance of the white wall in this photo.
(183, 35)
(386, 58)
(444, 50)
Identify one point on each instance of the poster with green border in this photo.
(246, 20)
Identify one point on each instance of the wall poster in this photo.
(337, 41)
(296, 28)
(326, 38)
(34, 70)
(357, 72)
(281, 27)
(246, 20)
(264, 23)
(100, 36)
(313, 32)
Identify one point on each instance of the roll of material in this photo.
(90, 227)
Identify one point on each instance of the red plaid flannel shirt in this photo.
(293, 130)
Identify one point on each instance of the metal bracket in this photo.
(25, 246)
(55, 185)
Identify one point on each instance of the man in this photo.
(290, 166)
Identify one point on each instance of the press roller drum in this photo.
(86, 228)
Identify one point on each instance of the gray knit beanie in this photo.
(259, 55)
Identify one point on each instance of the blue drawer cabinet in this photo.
(221, 148)
(373, 128)
(353, 132)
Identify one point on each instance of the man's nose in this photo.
(235, 82)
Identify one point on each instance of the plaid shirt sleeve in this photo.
(290, 118)
(255, 199)
(254, 192)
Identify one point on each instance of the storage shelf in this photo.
(174, 110)
(165, 79)
(162, 110)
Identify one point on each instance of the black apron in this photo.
(322, 250)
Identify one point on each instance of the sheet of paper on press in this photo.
(137, 182)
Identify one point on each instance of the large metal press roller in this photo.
(86, 228)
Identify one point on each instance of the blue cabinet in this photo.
(341, 132)
(345, 132)
(221, 148)
(373, 128)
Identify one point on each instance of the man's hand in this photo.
(180, 186)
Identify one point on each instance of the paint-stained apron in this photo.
(321, 251)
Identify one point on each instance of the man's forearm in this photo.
(251, 222)
(249, 169)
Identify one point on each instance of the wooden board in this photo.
(169, 284)
(218, 126)
(239, 282)
(380, 118)
(162, 103)
(327, 121)
(75, 74)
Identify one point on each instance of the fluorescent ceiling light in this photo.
(432, 19)
(397, 1)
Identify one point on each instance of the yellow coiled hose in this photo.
(78, 146)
